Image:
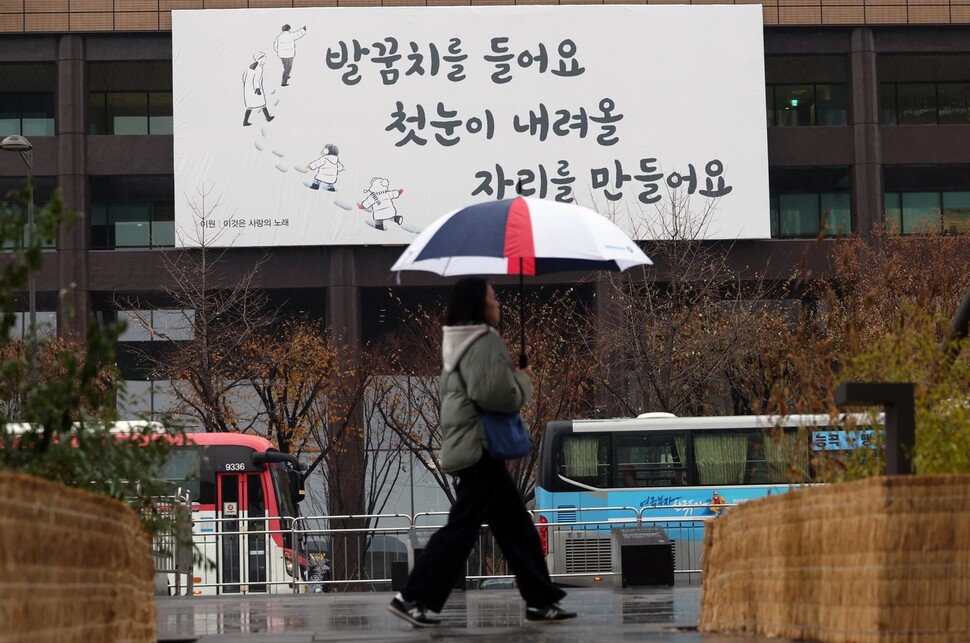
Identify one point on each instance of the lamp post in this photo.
(20, 144)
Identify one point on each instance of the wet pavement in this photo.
(667, 614)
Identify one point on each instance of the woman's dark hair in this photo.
(467, 302)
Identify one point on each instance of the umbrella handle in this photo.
(523, 360)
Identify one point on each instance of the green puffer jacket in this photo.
(492, 384)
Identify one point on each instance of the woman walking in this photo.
(478, 374)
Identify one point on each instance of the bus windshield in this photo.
(183, 468)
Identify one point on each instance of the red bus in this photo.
(244, 494)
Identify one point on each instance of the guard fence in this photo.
(373, 552)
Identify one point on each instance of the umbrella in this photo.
(520, 236)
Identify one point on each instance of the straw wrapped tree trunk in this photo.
(74, 566)
(881, 560)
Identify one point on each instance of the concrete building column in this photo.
(74, 302)
(867, 184)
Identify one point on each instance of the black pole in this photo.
(896, 399)
(521, 319)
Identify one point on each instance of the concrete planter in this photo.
(881, 560)
(74, 566)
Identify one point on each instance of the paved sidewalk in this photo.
(605, 615)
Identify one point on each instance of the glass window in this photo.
(831, 103)
(138, 225)
(920, 212)
(774, 215)
(9, 114)
(175, 325)
(45, 320)
(160, 113)
(27, 114)
(795, 105)
(97, 114)
(956, 212)
(27, 98)
(184, 468)
(836, 212)
(952, 100)
(132, 224)
(100, 229)
(916, 104)
(147, 398)
(893, 211)
(586, 459)
(650, 460)
(37, 113)
(887, 104)
(163, 225)
(127, 113)
(133, 113)
(721, 457)
(798, 215)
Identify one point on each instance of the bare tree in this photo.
(221, 314)
(687, 335)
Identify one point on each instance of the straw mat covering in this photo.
(882, 560)
(74, 566)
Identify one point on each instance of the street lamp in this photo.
(16, 143)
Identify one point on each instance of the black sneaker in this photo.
(411, 612)
(548, 614)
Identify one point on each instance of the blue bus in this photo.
(673, 472)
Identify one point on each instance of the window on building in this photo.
(924, 89)
(132, 225)
(154, 399)
(927, 199)
(132, 212)
(130, 98)
(27, 99)
(13, 203)
(807, 201)
(46, 321)
(805, 90)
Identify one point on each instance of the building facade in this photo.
(866, 104)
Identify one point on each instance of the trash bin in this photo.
(642, 556)
(399, 574)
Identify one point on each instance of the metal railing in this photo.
(366, 552)
(172, 546)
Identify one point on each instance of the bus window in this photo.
(586, 459)
(184, 468)
(757, 470)
(721, 457)
(650, 460)
(786, 456)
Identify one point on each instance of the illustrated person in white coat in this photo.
(253, 93)
(285, 46)
(380, 201)
(327, 167)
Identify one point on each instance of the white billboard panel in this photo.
(355, 126)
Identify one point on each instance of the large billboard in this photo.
(356, 126)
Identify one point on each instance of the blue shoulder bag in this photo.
(505, 435)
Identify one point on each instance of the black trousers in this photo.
(486, 493)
